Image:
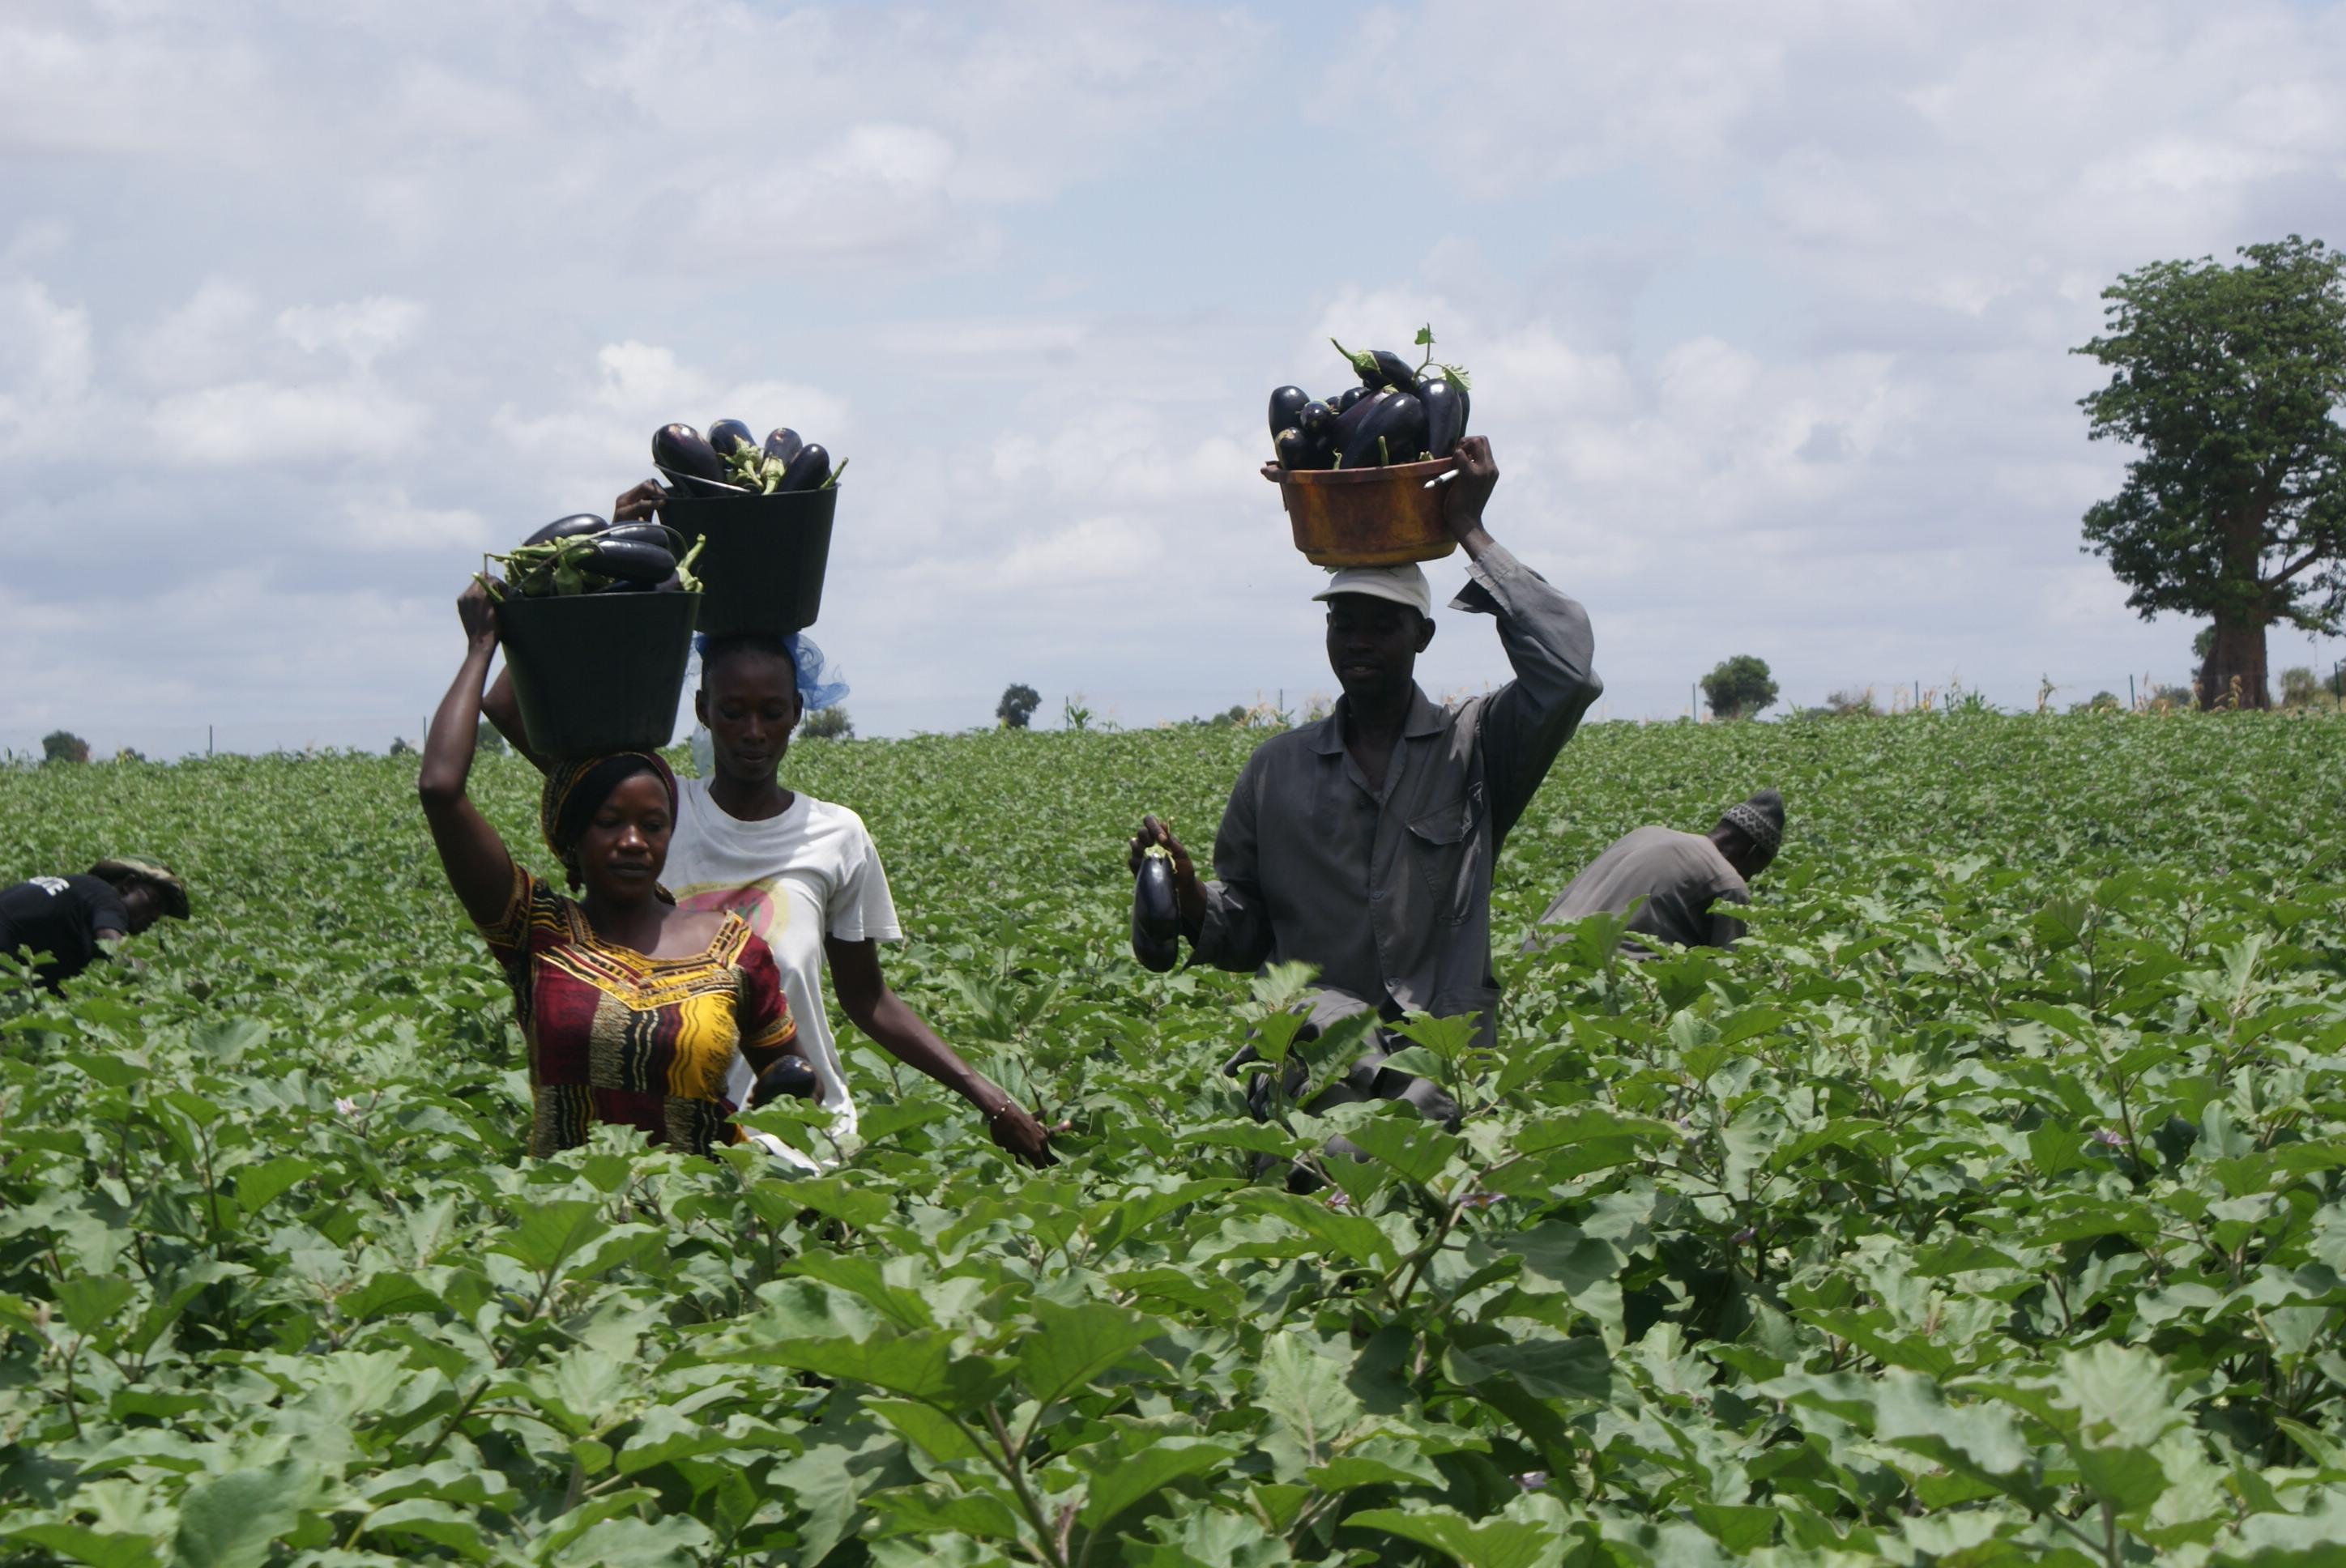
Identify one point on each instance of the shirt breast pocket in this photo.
(1441, 843)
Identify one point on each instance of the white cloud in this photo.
(254, 422)
(1768, 309)
(390, 523)
(363, 330)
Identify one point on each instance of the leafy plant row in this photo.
(1982, 1207)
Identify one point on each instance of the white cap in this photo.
(1402, 585)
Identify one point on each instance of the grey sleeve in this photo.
(1236, 934)
(1549, 642)
(1725, 929)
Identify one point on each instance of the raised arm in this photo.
(865, 997)
(504, 714)
(478, 866)
(1547, 638)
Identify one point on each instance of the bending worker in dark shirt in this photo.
(1365, 843)
(68, 917)
(1670, 884)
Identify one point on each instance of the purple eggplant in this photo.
(1445, 414)
(1156, 914)
(679, 452)
(1317, 421)
(1343, 400)
(1352, 418)
(791, 1078)
(726, 434)
(810, 470)
(564, 527)
(1392, 431)
(631, 559)
(783, 444)
(1286, 404)
(1293, 449)
(1380, 368)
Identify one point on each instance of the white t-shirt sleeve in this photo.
(860, 908)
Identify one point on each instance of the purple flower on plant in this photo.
(2105, 1135)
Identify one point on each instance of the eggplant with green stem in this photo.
(728, 433)
(1156, 912)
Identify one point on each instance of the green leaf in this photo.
(387, 1293)
(1564, 1255)
(436, 1521)
(926, 1510)
(257, 1184)
(102, 1550)
(1305, 1394)
(922, 1365)
(87, 1302)
(1348, 1234)
(1489, 1544)
(900, 1300)
(848, 1203)
(549, 1234)
(937, 1434)
(1405, 1140)
(1121, 1481)
(1072, 1345)
(1376, 1461)
(228, 1521)
(1574, 1369)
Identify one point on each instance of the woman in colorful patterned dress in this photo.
(637, 1012)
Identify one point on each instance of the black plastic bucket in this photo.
(761, 569)
(597, 673)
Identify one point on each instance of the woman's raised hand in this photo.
(478, 612)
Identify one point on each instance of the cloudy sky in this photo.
(1768, 309)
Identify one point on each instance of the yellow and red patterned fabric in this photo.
(614, 1036)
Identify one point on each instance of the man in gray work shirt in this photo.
(1671, 885)
(1365, 843)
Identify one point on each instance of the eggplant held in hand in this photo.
(1156, 912)
(791, 1078)
(1399, 413)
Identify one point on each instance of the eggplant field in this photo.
(1983, 1207)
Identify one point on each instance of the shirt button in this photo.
(1376, 893)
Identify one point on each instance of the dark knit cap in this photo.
(1761, 819)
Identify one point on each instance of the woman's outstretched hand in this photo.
(1015, 1130)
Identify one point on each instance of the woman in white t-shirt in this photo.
(804, 874)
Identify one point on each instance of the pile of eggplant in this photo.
(729, 461)
(583, 554)
(1396, 414)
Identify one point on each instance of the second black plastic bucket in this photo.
(761, 569)
(597, 673)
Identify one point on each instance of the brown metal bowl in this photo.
(1368, 516)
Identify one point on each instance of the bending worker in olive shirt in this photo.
(1365, 843)
(1671, 885)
